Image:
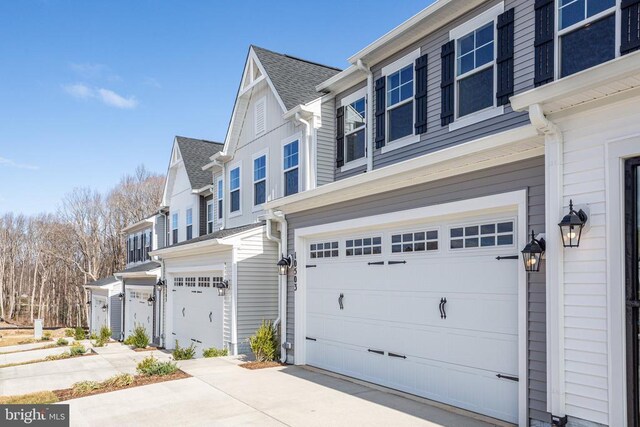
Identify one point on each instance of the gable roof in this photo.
(109, 280)
(294, 79)
(195, 154)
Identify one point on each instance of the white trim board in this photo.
(198, 269)
(512, 201)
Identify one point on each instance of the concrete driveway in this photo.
(221, 393)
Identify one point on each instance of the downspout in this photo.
(554, 142)
(282, 280)
(369, 115)
(162, 309)
(310, 172)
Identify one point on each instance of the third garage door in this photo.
(429, 310)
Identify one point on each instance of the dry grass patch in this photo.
(261, 365)
(40, 397)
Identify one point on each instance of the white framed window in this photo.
(290, 167)
(178, 281)
(210, 217)
(363, 246)
(147, 244)
(174, 228)
(324, 250)
(260, 171)
(417, 241)
(190, 282)
(260, 116)
(204, 282)
(399, 102)
(475, 69)
(354, 121)
(220, 197)
(482, 235)
(189, 229)
(167, 229)
(138, 247)
(234, 190)
(587, 34)
(131, 249)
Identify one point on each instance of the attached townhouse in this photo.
(463, 137)
(220, 278)
(105, 305)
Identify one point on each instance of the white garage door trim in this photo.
(515, 201)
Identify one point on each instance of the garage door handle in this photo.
(340, 298)
(210, 314)
(376, 351)
(508, 377)
(183, 311)
(400, 356)
(443, 313)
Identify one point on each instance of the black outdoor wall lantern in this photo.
(284, 264)
(532, 253)
(222, 287)
(121, 296)
(571, 227)
(104, 307)
(160, 284)
(151, 300)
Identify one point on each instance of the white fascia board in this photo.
(609, 72)
(103, 287)
(343, 80)
(189, 249)
(139, 274)
(362, 184)
(415, 28)
(203, 189)
(140, 224)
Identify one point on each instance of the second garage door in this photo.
(197, 311)
(430, 310)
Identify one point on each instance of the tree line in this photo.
(45, 259)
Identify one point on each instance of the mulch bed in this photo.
(145, 349)
(139, 380)
(261, 365)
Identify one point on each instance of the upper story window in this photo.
(147, 244)
(210, 217)
(259, 180)
(138, 240)
(354, 129)
(174, 228)
(234, 189)
(189, 224)
(131, 249)
(260, 112)
(220, 197)
(586, 34)
(400, 103)
(167, 225)
(290, 167)
(475, 70)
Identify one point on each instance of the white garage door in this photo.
(99, 317)
(197, 311)
(139, 312)
(428, 310)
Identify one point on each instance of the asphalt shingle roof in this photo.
(104, 281)
(294, 79)
(220, 234)
(195, 154)
(147, 266)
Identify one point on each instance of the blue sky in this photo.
(91, 89)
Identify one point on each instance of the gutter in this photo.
(282, 280)
(369, 102)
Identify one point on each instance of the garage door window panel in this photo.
(363, 246)
(324, 250)
(482, 235)
(419, 241)
(204, 282)
(190, 282)
(178, 281)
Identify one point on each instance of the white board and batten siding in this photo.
(584, 347)
(257, 276)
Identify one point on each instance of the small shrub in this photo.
(69, 333)
(60, 356)
(77, 350)
(151, 366)
(84, 387)
(139, 338)
(119, 380)
(184, 353)
(62, 342)
(46, 336)
(128, 340)
(105, 334)
(264, 344)
(93, 336)
(214, 352)
(79, 334)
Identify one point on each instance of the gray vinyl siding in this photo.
(438, 137)
(527, 174)
(355, 171)
(257, 286)
(115, 322)
(160, 231)
(326, 136)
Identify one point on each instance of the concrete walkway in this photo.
(33, 346)
(222, 393)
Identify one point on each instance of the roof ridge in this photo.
(298, 58)
(200, 139)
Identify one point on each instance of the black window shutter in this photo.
(128, 255)
(543, 41)
(630, 31)
(421, 94)
(202, 219)
(448, 57)
(340, 137)
(380, 111)
(143, 240)
(505, 57)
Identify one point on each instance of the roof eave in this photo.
(343, 80)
